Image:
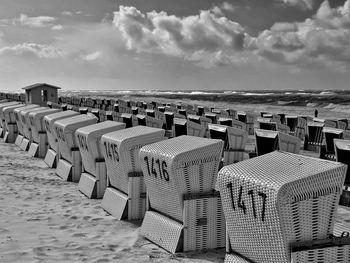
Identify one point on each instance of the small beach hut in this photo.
(41, 93)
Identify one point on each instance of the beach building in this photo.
(41, 93)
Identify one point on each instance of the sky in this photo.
(175, 45)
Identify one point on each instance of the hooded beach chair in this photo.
(39, 146)
(265, 141)
(314, 137)
(277, 199)
(342, 153)
(213, 116)
(2, 123)
(51, 158)
(69, 164)
(93, 179)
(10, 129)
(291, 122)
(184, 211)
(267, 125)
(187, 127)
(330, 134)
(225, 121)
(125, 196)
(234, 142)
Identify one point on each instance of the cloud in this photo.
(57, 27)
(304, 4)
(91, 56)
(205, 38)
(323, 40)
(32, 49)
(67, 13)
(227, 6)
(38, 21)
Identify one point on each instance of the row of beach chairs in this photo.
(276, 207)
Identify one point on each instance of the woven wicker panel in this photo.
(36, 121)
(204, 224)
(283, 128)
(48, 123)
(88, 139)
(330, 255)
(182, 165)
(16, 113)
(65, 132)
(121, 149)
(278, 198)
(234, 258)
(124, 109)
(137, 198)
(26, 122)
(288, 143)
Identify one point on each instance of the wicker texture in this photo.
(26, 122)
(2, 106)
(121, 149)
(89, 138)
(191, 165)
(36, 121)
(295, 199)
(65, 133)
(17, 114)
(49, 120)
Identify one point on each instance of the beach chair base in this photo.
(24, 144)
(51, 158)
(204, 230)
(123, 206)
(11, 133)
(70, 171)
(18, 140)
(39, 149)
(94, 186)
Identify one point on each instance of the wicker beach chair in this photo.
(248, 119)
(238, 124)
(51, 158)
(69, 164)
(313, 139)
(234, 142)
(93, 180)
(283, 128)
(213, 116)
(125, 197)
(278, 199)
(27, 131)
(187, 127)
(266, 141)
(4, 105)
(39, 146)
(288, 143)
(291, 122)
(267, 125)
(10, 129)
(225, 121)
(342, 153)
(329, 134)
(184, 212)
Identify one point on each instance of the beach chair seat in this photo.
(291, 122)
(39, 145)
(277, 199)
(69, 164)
(234, 142)
(125, 196)
(187, 127)
(265, 141)
(288, 143)
(283, 128)
(93, 180)
(313, 139)
(184, 211)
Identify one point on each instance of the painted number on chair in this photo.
(157, 168)
(242, 203)
(111, 151)
(82, 141)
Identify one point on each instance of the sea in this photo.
(336, 100)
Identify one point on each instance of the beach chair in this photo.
(213, 116)
(267, 125)
(18, 119)
(283, 128)
(327, 150)
(2, 123)
(313, 139)
(27, 131)
(234, 142)
(276, 118)
(248, 119)
(231, 113)
(39, 145)
(225, 121)
(342, 153)
(265, 141)
(51, 158)
(184, 211)
(10, 129)
(69, 163)
(125, 196)
(238, 124)
(291, 122)
(187, 127)
(93, 179)
(288, 143)
(129, 119)
(102, 116)
(278, 199)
